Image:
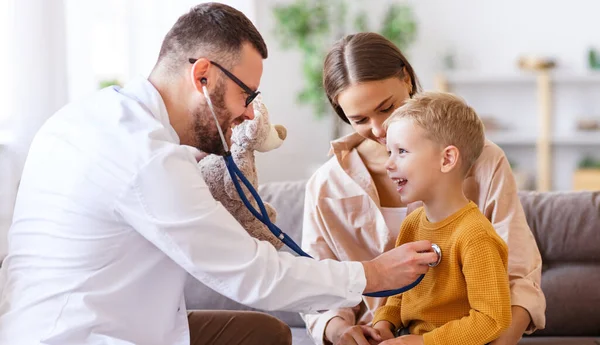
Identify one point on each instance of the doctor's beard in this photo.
(205, 130)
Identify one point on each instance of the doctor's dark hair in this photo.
(362, 57)
(215, 30)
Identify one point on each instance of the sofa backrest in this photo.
(566, 227)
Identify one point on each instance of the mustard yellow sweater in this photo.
(466, 298)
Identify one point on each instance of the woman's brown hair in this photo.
(363, 57)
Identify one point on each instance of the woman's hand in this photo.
(514, 333)
(405, 340)
(341, 332)
(385, 329)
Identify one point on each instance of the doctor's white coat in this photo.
(112, 214)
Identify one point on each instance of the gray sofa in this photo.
(566, 227)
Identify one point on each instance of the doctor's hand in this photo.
(398, 267)
(340, 332)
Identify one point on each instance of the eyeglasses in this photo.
(251, 93)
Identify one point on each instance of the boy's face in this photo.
(414, 163)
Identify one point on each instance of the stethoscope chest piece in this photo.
(438, 251)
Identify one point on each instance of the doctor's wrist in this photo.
(372, 277)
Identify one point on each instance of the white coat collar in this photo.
(142, 90)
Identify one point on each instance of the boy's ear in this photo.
(450, 157)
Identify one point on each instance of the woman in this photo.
(352, 209)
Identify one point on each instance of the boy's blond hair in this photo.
(448, 120)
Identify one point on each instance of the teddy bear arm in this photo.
(260, 231)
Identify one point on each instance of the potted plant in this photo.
(312, 26)
(587, 176)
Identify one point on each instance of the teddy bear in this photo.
(249, 136)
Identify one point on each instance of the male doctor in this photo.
(112, 213)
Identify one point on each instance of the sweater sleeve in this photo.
(390, 312)
(484, 262)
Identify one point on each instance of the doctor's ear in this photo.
(199, 72)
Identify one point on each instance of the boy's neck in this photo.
(448, 198)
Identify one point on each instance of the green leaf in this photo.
(311, 26)
(361, 22)
(109, 82)
(399, 26)
(589, 163)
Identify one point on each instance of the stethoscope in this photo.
(236, 174)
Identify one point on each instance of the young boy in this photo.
(433, 141)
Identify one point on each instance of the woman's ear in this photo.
(450, 157)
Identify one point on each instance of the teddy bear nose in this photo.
(281, 131)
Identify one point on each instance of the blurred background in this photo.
(528, 67)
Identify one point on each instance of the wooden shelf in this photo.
(583, 77)
(508, 138)
(511, 138)
(578, 139)
(472, 78)
(464, 78)
(543, 140)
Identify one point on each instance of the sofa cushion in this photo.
(288, 199)
(572, 299)
(565, 224)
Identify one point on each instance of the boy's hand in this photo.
(405, 340)
(385, 329)
(340, 332)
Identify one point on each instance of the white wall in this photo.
(487, 36)
(116, 39)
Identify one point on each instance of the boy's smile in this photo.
(414, 163)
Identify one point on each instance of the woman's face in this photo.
(368, 104)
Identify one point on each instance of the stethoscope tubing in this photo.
(237, 176)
